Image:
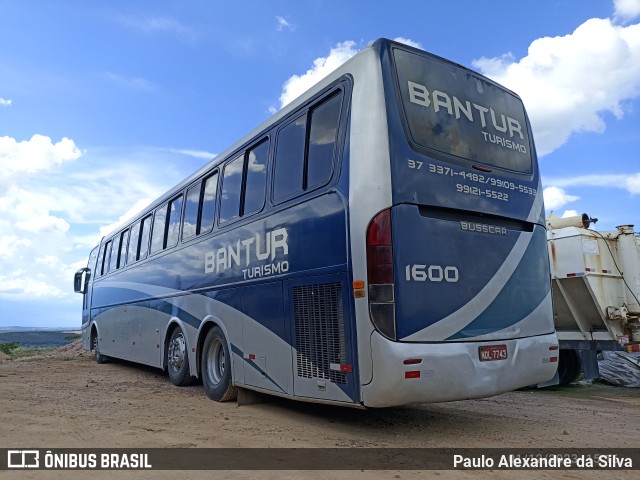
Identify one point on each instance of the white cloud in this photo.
(31, 211)
(159, 25)
(86, 242)
(283, 23)
(190, 153)
(322, 66)
(632, 183)
(570, 213)
(30, 238)
(75, 266)
(567, 83)
(98, 194)
(9, 244)
(556, 197)
(129, 214)
(4, 102)
(132, 84)
(408, 41)
(52, 209)
(16, 287)
(626, 10)
(50, 261)
(38, 153)
(43, 224)
(627, 181)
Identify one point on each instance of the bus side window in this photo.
(107, 256)
(93, 256)
(91, 265)
(124, 238)
(289, 163)
(208, 211)
(100, 264)
(190, 221)
(159, 227)
(256, 178)
(199, 213)
(231, 189)
(173, 225)
(134, 243)
(115, 249)
(301, 166)
(322, 141)
(144, 238)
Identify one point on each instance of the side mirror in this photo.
(81, 280)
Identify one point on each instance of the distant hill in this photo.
(38, 338)
(38, 329)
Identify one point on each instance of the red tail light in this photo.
(380, 274)
(379, 249)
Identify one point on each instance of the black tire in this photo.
(569, 366)
(100, 358)
(178, 359)
(216, 367)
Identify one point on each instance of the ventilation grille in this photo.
(319, 321)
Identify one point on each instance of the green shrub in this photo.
(8, 347)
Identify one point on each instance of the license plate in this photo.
(488, 353)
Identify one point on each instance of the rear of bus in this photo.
(457, 268)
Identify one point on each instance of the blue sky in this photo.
(105, 105)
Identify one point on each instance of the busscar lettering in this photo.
(483, 228)
(452, 105)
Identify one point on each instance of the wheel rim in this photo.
(216, 362)
(177, 352)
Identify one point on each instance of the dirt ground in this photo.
(63, 399)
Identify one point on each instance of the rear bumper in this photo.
(453, 371)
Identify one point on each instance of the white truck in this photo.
(596, 286)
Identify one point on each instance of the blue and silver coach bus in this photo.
(380, 241)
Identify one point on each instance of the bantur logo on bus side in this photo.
(247, 250)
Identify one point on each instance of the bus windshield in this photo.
(455, 112)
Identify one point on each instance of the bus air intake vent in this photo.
(319, 323)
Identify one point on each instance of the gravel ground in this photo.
(64, 399)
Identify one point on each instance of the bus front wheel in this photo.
(100, 358)
(216, 367)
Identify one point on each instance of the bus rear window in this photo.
(453, 111)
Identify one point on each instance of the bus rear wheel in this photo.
(216, 367)
(178, 359)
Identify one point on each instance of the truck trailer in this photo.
(596, 285)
